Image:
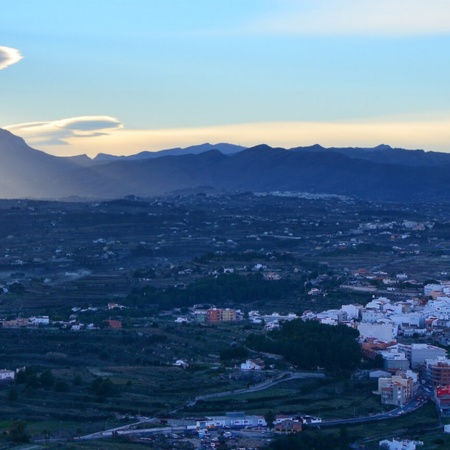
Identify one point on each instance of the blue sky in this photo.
(125, 76)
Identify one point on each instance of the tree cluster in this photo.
(310, 345)
(103, 387)
(223, 289)
(233, 353)
(35, 377)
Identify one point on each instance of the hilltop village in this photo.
(218, 320)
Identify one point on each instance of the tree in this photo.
(13, 395)
(311, 344)
(17, 431)
(62, 386)
(77, 380)
(234, 352)
(270, 418)
(46, 378)
(343, 437)
(103, 387)
(46, 435)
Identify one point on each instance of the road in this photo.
(417, 402)
(411, 406)
(285, 376)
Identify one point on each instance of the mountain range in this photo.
(381, 173)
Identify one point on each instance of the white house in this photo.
(253, 364)
(353, 311)
(39, 320)
(400, 445)
(181, 363)
(385, 332)
(6, 374)
(234, 420)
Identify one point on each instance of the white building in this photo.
(411, 320)
(442, 287)
(385, 332)
(400, 445)
(353, 311)
(336, 315)
(252, 364)
(378, 303)
(418, 353)
(395, 361)
(372, 316)
(6, 375)
(39, 320)
(234, 420)
(439, 308)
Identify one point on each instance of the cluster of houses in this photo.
(72, 323)
(381, 321)
(25, 322)
(281, 424)
(396, 444)
(200, 314)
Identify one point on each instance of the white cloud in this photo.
(358, 17)
(59, 132)
(9, 56)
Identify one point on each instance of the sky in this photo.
(120, 77)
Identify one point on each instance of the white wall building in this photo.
(353, 311)
(385, 332)
(6, 375)
(39, 320)
(372, 316)
(411, 320)
(400, 445)
(418, 353)
(442, 287)
(252, 364)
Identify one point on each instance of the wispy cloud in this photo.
(9, 56)
(60, 132)
(357, 17)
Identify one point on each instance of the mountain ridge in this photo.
(380, 173)
(223, 147)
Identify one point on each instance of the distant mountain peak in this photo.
(383, 147)
(223, 147)
(314, 147)
(260, 147)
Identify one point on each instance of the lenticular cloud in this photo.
(9, 56)
(57, 132)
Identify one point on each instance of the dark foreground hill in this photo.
(382, 173)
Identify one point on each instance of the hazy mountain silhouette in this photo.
(226, 149)
(381, 173)
(385, 154)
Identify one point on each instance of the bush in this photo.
(62, 386)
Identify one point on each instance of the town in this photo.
(191, 321)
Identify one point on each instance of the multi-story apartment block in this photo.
(418, 353)
(221, 315)
(438, 371)
(396, 390)
(395, 361)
